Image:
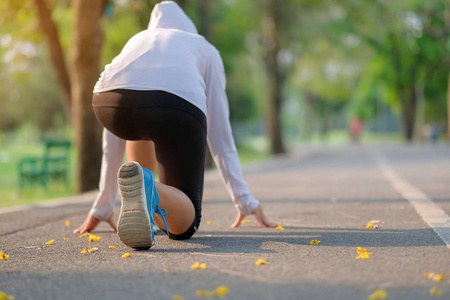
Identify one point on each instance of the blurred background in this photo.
(299, 73)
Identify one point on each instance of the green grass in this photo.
(10, 156)
(247, 155)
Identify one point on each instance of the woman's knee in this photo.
(187, 234)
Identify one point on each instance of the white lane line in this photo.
(432, 214)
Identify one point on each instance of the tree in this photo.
(447, 25)
(84, 61)
(277, 26)
(410, 40)
(56, 54)
(276, 78)
(75, 90)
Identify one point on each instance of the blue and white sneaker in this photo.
(140, 201)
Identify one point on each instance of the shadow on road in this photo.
(259, 242)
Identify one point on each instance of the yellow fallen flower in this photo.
(261, 262)
(50, 242)
(363, 256)
(245, 221)
(314, 242)
(378, 294)
(126, 255)
(112, 247)
(361, 250)
(209, 222)
(203, 293)
(222, 291)
(435, 292)
(219, 292)
(435, 277)
(3, 256)
(362, 253)
(94, 238)
(67, 223)
(89, 250)
(279, 227)
(178, 297)
(4, 296)
(371, 225)
(65, 239)
(84, 235)
(198, 266)
(165, 270)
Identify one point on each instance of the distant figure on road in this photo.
(430, 132)
(435, 132)
(355, 128)
(168, 86)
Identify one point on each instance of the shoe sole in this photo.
(133, 226)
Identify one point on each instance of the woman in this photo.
(168, 86)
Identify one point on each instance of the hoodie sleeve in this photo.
(220, 138)
(113, 154)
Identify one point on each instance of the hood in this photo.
(169, 15)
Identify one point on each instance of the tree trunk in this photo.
(447, 26)
(409, 112)
(56, 53)
(182, 3)
(308, 126)
(84, 59)
(204, 24)
(276, 140)
(274, 76)
(448, 108)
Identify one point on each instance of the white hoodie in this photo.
(171, 56)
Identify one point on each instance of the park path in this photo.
(325, 194)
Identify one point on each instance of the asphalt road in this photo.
(324, 194)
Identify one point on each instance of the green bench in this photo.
(51, 166)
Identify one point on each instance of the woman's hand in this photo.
(91, 222)
(260, 218)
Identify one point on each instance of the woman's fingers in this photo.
(89, 224)
(239, 218)
(112, 223)
(267, 222)
(79, 229)
(259, 215)
(261, 218)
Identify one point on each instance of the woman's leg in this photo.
(180, 210)
(142, 152)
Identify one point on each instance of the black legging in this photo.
(178, 129)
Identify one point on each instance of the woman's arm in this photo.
(103, 207)
(223, 149)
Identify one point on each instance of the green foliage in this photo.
(350, 52)
(28, 98)
(117, 31)
(23, 144)
(409, 50)
(29, 92)
(18, 18)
